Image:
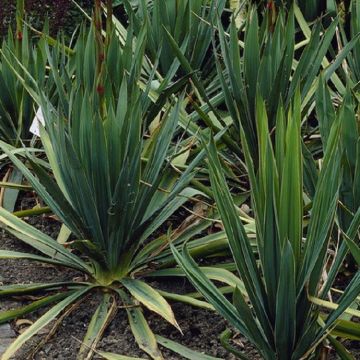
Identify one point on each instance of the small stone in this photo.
(47, 349)
(6, 332)
(4, 344)
(7, 336)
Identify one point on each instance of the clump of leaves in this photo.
(112, 186)
(188, 22)
(349, 195)
(279, 308)
(270, 62)
(349, 30)
(17, 108)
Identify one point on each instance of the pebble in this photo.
(7, 336)
(245, 208)
(6, 332)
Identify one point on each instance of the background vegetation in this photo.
(62, 14)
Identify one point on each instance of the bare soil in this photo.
(201, 328)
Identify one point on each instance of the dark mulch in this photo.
(201, 328)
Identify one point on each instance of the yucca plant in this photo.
(113, 186)
(187, 21)
(349, 196)
(352, 24)
(269, 64)
(270, 55)
(17, 108)
(279, 308)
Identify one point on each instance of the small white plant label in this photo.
(39, 118)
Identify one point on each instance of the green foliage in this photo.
(188, 22)
(353, 27)
(121, 154)
(112, 186)
(117, 163)
(17, 108)
(276, 312)
(16, 105)
(349, 194)
(268, 64)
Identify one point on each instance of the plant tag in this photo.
(39, 118)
